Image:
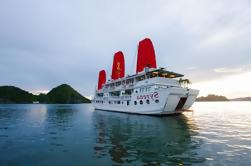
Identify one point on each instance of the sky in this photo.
(47, 43)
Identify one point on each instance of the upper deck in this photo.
(144, 78)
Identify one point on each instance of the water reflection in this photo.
(59, 124)
(145, 140)
(56, 134)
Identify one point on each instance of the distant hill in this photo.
(12, 94)
(242, 99)
(63, 94)
(212, 97)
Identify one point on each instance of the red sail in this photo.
(101, 79)
(118, 67)
(146, 55)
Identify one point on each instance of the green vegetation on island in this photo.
(63, 94)
(212, 97)
(12, 94)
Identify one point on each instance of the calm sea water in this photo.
(217, 133)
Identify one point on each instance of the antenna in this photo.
(133, 64)
(109, 68)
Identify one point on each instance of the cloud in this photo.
(46, 43)
(231, 86)
(228, 70)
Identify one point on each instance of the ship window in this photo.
(128, 102)
(141, 102)
(122, 102)
(157, 101)
(118, 83)
(100, 94)
(148, 89)
(135, 102)
(115, 93)
(147, 101)
(118, 102)
(128, 92)
(142, 90)
(140, 78)
(109, 102)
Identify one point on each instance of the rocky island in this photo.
(63, 94)
(212, 97)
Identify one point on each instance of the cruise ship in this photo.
(151, 90)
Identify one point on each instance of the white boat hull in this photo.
(170, 101)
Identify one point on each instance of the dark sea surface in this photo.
(216, 133)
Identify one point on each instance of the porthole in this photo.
(157, 101)
(135, 102)
(141, 102)
(147, 101)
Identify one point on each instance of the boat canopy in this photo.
(161, 72)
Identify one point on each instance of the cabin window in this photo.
(157, 101)
(163, 86)
(100, 94)
(118, 102)
(130, 81)
(128, 92)
(118, 83)
(142, 90)
(109, 102)
(147, 101)
(141, 102)
(116, 93)
(135, 102)
(140, 78)
(128, 102)
(148, 89)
